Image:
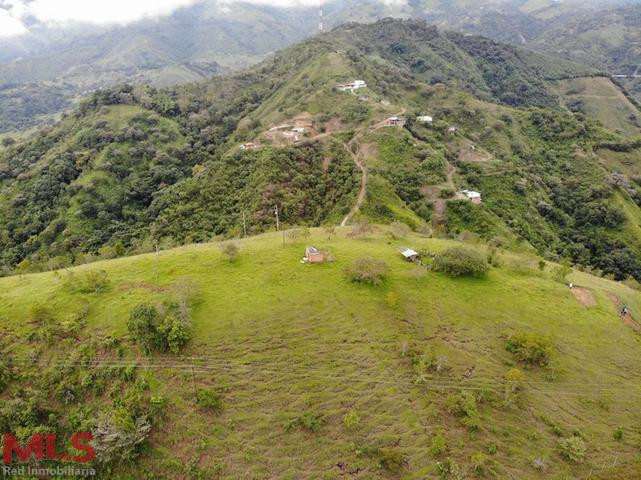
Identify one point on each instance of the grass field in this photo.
(604, 101)
(281, 340)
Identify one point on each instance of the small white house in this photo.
(452, 130)
(355, 85)
(424, 119)
(410, 255)
(298, 130)
(474, 197)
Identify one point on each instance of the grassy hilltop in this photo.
(308, 375)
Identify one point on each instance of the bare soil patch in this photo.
(627, 319)
(584, 296)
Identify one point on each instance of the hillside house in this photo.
(474, 197)
(298, 130)
(249, 146)
(350, 87)
(313, 255)
(424, 119)
(452, 130)
(396, 122)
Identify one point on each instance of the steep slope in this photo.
(293, 371)
(343, 157)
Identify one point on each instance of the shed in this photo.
(424, 119)
(396, 121)
(410, 255)
(313, 255)
(474, 197)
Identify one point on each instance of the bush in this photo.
(230, 250)
(158, 329)
(367, 270)
(460, 261)
(310, 421)
(5, 376)
(438, 446)
(351, 420)
(362, 228)
(399, 230)
(531, 349)
(573, 449)
(95, 281)
(618, 434)
(210, 400)
(392, 460)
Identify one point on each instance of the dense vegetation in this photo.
(136, 167)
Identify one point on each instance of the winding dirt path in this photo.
(359, 162)
(363, 191)
(441, 203)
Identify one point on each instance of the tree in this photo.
(461, 261)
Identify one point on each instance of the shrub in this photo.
(573, 449)
(399, 230)
(351, 420)
(209, 400)
(309, 421)
(618, 434)
(460, 261)
(392, 459)
(367, 270)
(531, 349)
(561, 271)
(438, 446)
(5, 376)
(478, 461)
(113, 442)
(95, 281)
(230, 250)
(158, 329)
(362, 228)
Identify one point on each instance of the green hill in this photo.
(303, 374)
(132, 167)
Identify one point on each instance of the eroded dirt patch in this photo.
(584, 296)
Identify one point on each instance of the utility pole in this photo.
(157, 262)
(277, 219)
(244, 225)
(321, 27)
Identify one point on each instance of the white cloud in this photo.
(10, 25)
(102, 11)
(113, 11)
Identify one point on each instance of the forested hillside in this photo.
(134, 167)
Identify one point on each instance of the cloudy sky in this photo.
(13, 13)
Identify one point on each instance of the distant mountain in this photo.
(42, 73)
